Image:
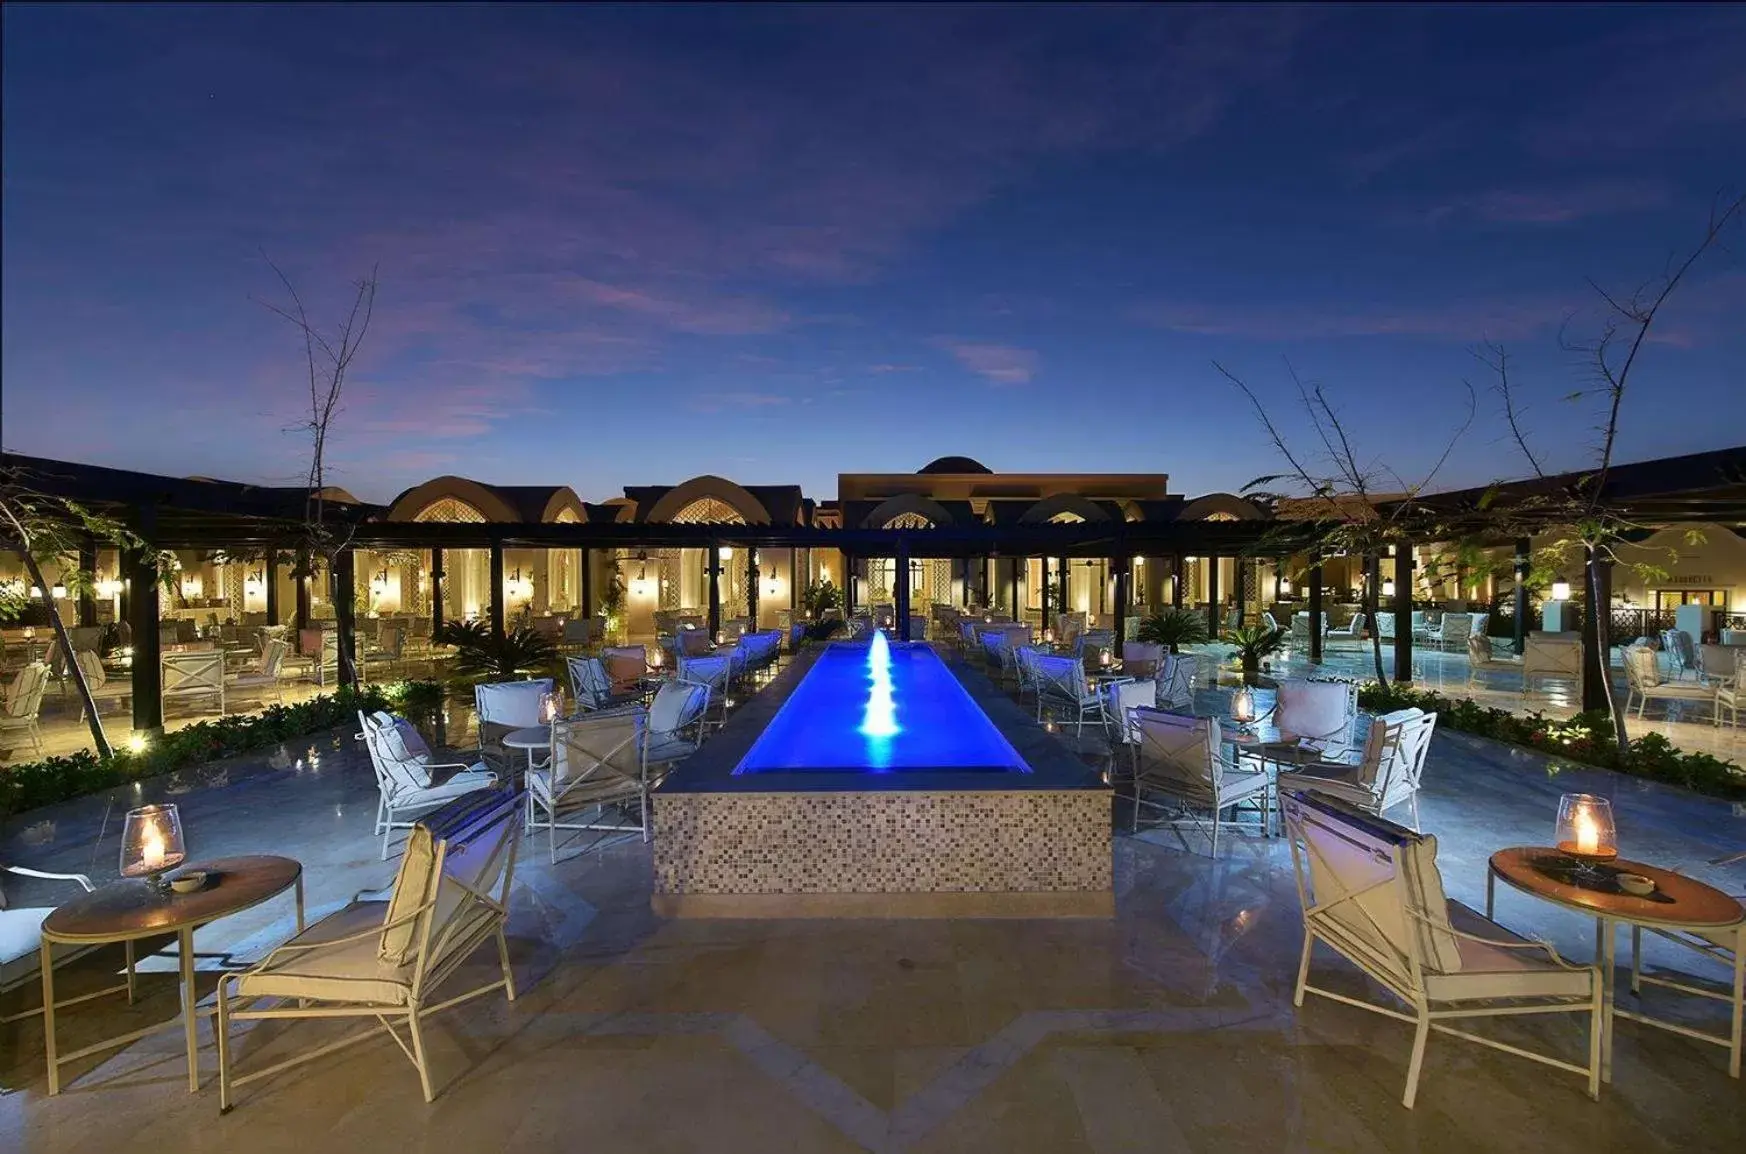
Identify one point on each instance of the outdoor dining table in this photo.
(128, 910)
(1677, 903)
(533, 739)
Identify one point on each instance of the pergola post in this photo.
(147, 674)
(272, 590)
(900, 598)
(1065, 577)
(497, 596)
(1014, 564)
(87, 587)
(437, 576)
(1213, 623)
(1119, 566)
(1524, 548)
(300, 575)
(1176, 568)
(1047, 595)
(712, 564)
(752, 575)
(1315, 613)
(587, 606)
(1597, 599)
(793, 582)
(1403, 614)
(345, 615)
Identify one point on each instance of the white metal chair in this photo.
(97, 679)
(1140, 658)
(1320, 715)
(1725, 672)
(1644, 682)
(1452, 632)
(1353, 630)
(1372, 892)
(188, 676)
(23, 705)
(386, 960)
(1556, 655)
(712, 673)
(675, 728)
(1682, 657)
(408, 782)
(265, 678)
(1726, 947)
(597, 761)
(592, 688)
(625, 667)
(1121, 699)
(1384, 774)
(1175, 682)
(1385, 626)
(21, 945)
(1183, 758)
(501, 707)
(1061, 682)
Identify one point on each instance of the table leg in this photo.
(1608, 951)
(1490, 893)
(190, 1019)
(300, 926)
(48, 1016)
(127, 947)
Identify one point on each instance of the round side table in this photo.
(125, 911)
(1678, 903)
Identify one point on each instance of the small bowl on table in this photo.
(189, 881)
(1636, 884)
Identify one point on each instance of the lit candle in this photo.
(151, 853)
(1587, 834)
(1104, 659)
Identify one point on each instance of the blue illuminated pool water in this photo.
(880, 709)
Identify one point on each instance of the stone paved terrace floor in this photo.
(1168, 1027)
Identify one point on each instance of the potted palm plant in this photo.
(1254, 642)
(1173, 628)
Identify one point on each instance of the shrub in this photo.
(1173, 628)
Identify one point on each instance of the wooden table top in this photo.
(128, 909)
(1677, 901)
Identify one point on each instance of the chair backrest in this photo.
(1356, 625)
(1552, 653)
(709, 671)
(453, 882)
(677, 707)
(1140, 658)
(192, 673)
(1121, 699)
(1395, 752)
(274, 655)
(1061, 676)
(1456, 628)
(1176, 681)
(1325, 711)
(1478, 648)
(92, 667)
(1480, 622)
(598, 749)
(512, 704)
(1722, 661)
(24, 695)
(1371, 887)
(625, 663)
(735, 626)
(1184, 750)
(692, 642)
(1268, 620)
(1642, 671)
(582, 631)
(1385, 626)
(589, 684)
(918, 627)
(400, 762)
(1679, 645)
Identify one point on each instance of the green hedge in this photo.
(31, 785)
(1586, 738)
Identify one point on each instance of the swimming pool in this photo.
(880, 708)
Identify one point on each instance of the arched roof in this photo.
(677, 499)
(1051, 507)
(490, 504)
(1230, 505)
(954, 465)
(891, 508)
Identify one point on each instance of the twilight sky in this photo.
(627, 246)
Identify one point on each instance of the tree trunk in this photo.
(104, 749)
(1376, 650)
(1603, 632)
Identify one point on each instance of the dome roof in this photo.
(954, 465)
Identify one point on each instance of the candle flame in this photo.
(152, 848)
(1587, 833)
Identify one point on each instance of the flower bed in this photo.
(1586, 738)
(33, 784)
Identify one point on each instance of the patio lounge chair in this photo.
(386, 960)
(597, 761)
(1317, 714)
(408, 782)
(21, 945)
(1183, 758)
(1176, 672)
(1682, 654)
(592, 688)
(711, 672)
(1644, 682)
(98, 682)
(1385, 773)
(1371, 891)
(1141, 658)
(265, 678)
(1061, 682)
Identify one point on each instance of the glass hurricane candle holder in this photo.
(551, 707)
(1586, 831)
(152, 845)
(1243, 709)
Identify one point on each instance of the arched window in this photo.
(450, 511)
(708, 511)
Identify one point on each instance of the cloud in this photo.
(717, 402)
(999, 364)
(1553, 205)
(1470, 320)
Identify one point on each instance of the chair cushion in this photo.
(1438, 949)
(353, 972)
(1488, 971)
(624, 670)
(667, 711)
(670, 749)
(411, 888)
(21, 932)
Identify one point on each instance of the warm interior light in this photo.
(726, 552)
(58, 592)
(1388, 588)
(1560, 590)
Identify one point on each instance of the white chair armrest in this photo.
(1531, 944)
(53, 877)
(361, 935)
